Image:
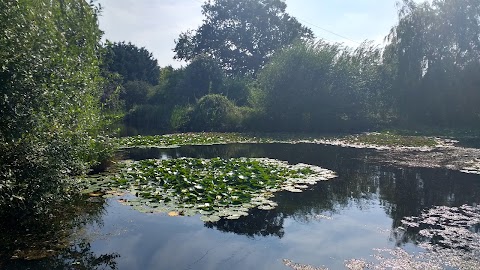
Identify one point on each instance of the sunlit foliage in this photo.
(49, 102)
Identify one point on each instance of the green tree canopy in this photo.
(241, 34)
(202, 76)
(132, 62)
(49, 101)
(435, 49)
(320, 87)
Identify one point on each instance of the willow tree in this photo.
(435, 49)
(49, 101)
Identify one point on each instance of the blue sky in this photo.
(155, 24)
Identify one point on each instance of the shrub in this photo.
(135, 93)
(181, 118)
(215, 113)
(50, 111)
(147, 119)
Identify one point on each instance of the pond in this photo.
(344, 222)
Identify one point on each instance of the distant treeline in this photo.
(252, 67)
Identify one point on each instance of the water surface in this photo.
(333, 221)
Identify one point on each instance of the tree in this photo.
(133, 63)
(320, 87)
(241, 34)
(135, 93)
(435, 49)
(49, 104)
(202, 76)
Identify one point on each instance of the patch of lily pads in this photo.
(376, 140)
(178, 139)
(386, 140)
(215, 188)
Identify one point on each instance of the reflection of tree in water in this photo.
(56, 241)
(401, 191)
(76, 256)
(257, 223)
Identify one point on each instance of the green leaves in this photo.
(49, 106)
(215, 187)
(242, 35)
(434, 51)
(171, 140)
(131, 62)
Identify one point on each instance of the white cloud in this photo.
(151, 24)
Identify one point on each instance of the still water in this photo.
(334, 221)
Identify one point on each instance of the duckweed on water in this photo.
(214, 188)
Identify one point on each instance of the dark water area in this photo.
(473, 142)
(337, 220)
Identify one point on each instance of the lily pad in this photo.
(210, 187)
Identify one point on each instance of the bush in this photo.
(50, 111)
(215, 113)
(136, 93)
(319, 87)
(181, 118)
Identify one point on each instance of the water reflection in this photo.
(56, 241)
(363, 184)
(328, 223)
(258, 223)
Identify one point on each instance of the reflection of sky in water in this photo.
(361, 207)
(153, 241)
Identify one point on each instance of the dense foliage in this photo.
(321, 87)
(435, 53)
(50, 99)
(131, 62)
(242, 35)
(426, 76)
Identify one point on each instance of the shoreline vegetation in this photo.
(375, 140)
(393, 148)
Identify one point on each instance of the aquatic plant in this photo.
(214, 188)
(364, 140)
(203, 138)
(388, 139)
